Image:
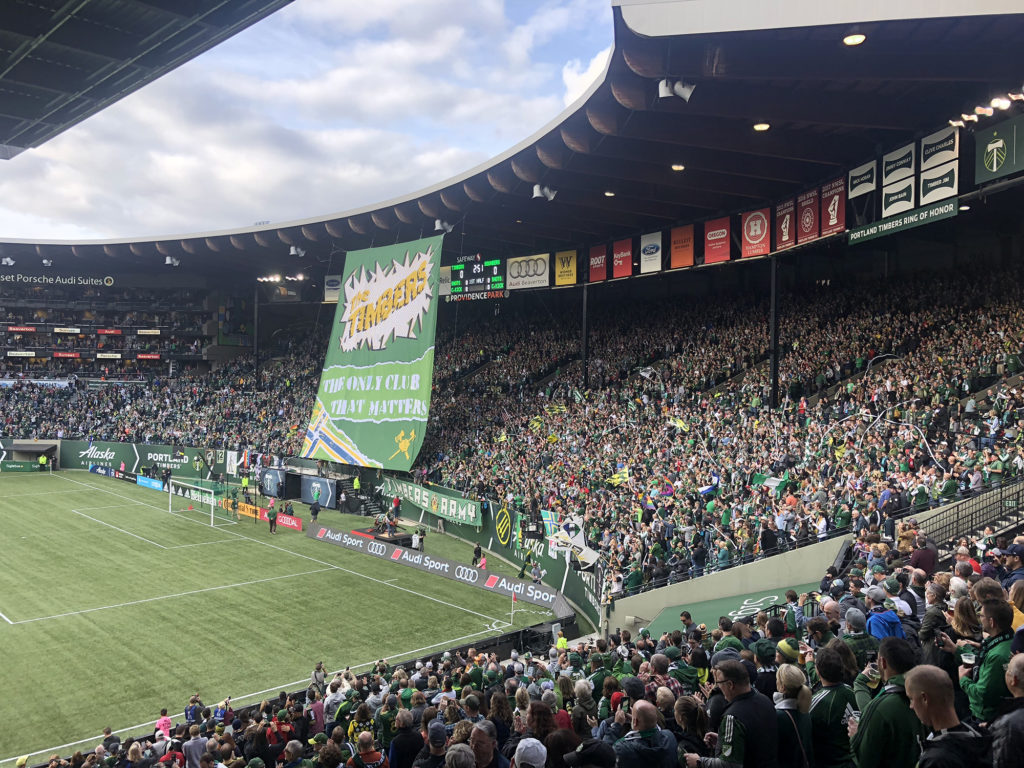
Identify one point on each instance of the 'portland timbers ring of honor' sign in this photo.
(374, 397)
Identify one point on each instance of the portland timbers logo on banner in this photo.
(995, 154)
(374, 397)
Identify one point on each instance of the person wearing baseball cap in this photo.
(1013, 563)
(437, 740)
(530, 753)
(882, 622)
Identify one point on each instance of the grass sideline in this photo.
(124, 608)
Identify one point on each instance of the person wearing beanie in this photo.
(764, 655)
(857, 639)
(786, 652)
(882, 622)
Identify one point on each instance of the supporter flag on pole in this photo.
(777, 484)
(619, 477)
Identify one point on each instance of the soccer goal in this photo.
(191, 498)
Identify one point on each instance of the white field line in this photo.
(203, 543)
(33, 495)
(6, 619)
(304, 557)
(93, 509)
(168, 597)
(135, 728)
(122, 530)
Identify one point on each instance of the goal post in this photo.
(189, 497)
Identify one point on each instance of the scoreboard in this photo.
(477, 275)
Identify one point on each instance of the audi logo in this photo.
(376, 548)
(528, 268)
(467, 574)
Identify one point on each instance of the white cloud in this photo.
(323, 107)
(577, 79)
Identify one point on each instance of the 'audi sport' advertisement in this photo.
(537, 594)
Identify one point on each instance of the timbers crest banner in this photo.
(374, 397)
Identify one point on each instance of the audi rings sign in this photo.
(527, 591)
(529, 271)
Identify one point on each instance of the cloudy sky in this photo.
(325, 106)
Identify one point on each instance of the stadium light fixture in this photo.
(669, 88)
(170, 261)
(296, 251)
(853, 39)
(1000, 102)
(964, 207)
(7, 261)
(1015, 96)
(442, 226)
(969, 118)
(678, 167)
(762, 127)
(47, 262)
(957, 124)
(609, 193)
(546, 192)
(986, 111)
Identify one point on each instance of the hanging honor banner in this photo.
(898, 198)
(940, 148)
(682, 246)
(598, 263)
(332, 289)
(807, 217)
(716, 240)
(898, 165)
(863, 179)
(374, 398)
(757, 239)
(995, 150)
(650, 253)
(904, 221)
(833, 207)
(785, 225)
(529, 271)
(622, 258)
(565, 268)
(939, 183)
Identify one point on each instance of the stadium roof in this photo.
(829, 107)
(64, 60)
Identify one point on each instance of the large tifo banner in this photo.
(374, 397)
(440, 502)
(538, 594)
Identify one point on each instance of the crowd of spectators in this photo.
(899, 665)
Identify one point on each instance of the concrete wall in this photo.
(800, 566)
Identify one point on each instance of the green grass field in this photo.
(111, 608)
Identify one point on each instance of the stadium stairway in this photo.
(1001, 508)
(369, 502)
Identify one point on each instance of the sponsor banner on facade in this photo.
(681, 254)
(438, 501)
(565, 268)
(863, 179)
(898, 165)
(148, 332)
(133, 457)
(20, 353)
(807, 220)
(503, 532)
(757, 238)
(108, 331)
(529, 271)
(444, 281)
(149, 482)
(51, 383)
(833, 207)
(598, 263)
(62, 329)
(332, 288)
(147, 356)
(98, 469)
(939, 148)
(650, 253)
(901, 223)
(898, 198)
(939, 182)
(19, 466)
(108, 355)
(374, 396)
(716, 240)
(785, 225)
(21, 329)
(318, 489)
(622, 258)
(997, 152)
(71, 355)
(528, 592)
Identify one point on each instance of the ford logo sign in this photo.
(718, 234)
(650, 249)
(333, 283)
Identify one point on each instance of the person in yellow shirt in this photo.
(561, 644)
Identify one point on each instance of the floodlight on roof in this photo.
(546, 192)
(1000, 102)
(296, 251)
(668, 88)
(442, 226)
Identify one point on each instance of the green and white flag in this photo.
(777, 484)
(374, 397)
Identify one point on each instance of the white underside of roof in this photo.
(661, 18)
